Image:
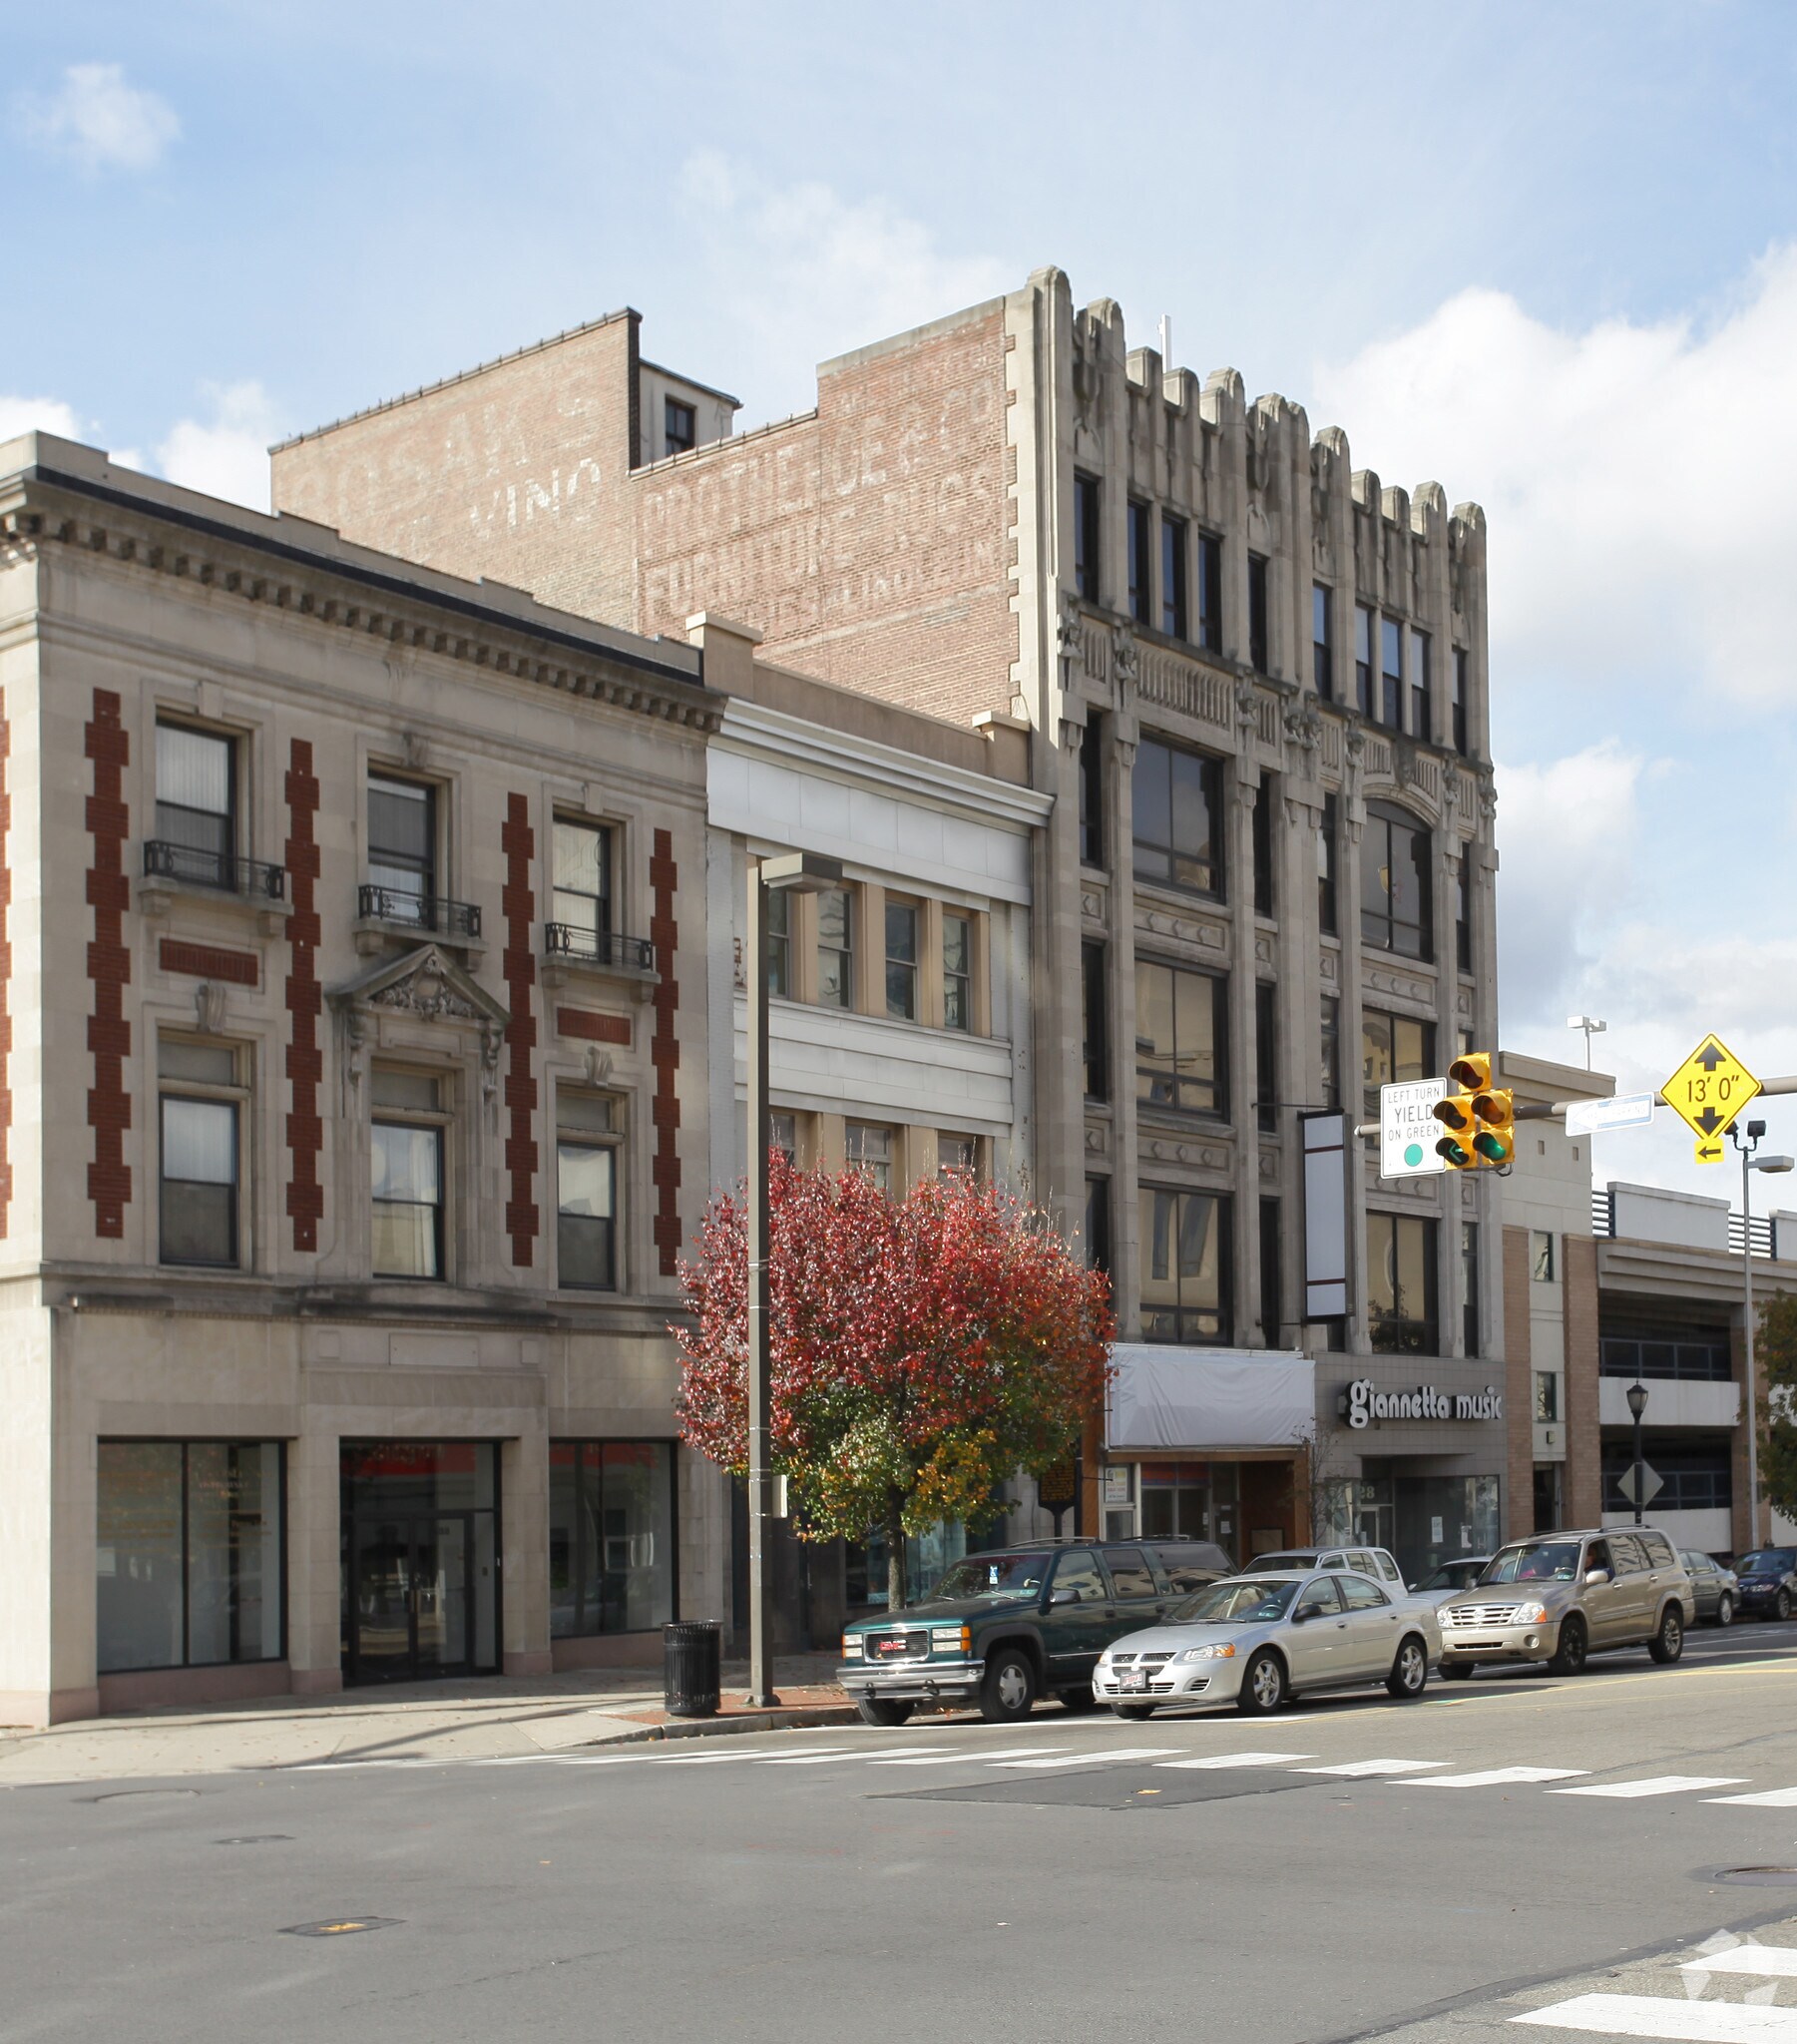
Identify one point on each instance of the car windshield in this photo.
(1535, 1561)
(1450, 1576)
(1273, 1564)
(1767, 1561)
(1235, 1603)
(994, 1575)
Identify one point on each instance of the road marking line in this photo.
(1767, 1961)
(844, 1753)
(1237, 1760)
(1646, 2015)
(1495, 1778)
(1374, 1768)
(705, 1759)
(1086, 1760)
(1765, 1799)
(1653, 1785)
(937, 1760)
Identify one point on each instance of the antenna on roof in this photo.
(1166, 340)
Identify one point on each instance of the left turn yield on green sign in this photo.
(1408, 1129)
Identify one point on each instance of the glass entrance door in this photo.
(408, 1596)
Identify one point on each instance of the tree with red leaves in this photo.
(921, 1351)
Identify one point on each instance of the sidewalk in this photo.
(484, 1718)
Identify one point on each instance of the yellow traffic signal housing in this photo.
(1477, 1116)
(1470, 1073)
(1456, 1114)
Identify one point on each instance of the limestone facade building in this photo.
(1256, 682)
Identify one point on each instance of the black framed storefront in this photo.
(419, 1533)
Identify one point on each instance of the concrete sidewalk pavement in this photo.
(483, 1717)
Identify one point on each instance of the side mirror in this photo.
(1594, 1576)
(1306, 1613)
(1063, 1597)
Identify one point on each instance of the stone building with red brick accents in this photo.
(1256, 682)
(353, 1013)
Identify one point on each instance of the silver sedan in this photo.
(1256, 1641)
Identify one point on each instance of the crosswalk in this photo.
(1702, 2012)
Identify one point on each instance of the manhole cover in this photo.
(1758, 1876)
(139, 1795)
(338, 1926)
(259, 1839)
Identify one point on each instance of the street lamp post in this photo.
(1749, 1162)
(804, 874)
(1637, 1404)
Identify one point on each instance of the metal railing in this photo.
(1762, 1235)
(1604, 1212)
(598, 948)
(434, 913)
(222, 870)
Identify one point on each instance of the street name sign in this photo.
(1652, 1483)
(1710, 1089)
(1408, 1129)
(1594, 1117)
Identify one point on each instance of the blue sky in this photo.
(1545, 255)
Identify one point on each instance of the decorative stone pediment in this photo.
(425, 985)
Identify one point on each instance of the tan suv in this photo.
(1560, 1597)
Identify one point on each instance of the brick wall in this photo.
(6, 974)
(664, 1057)
(208, 962)
(1519, 1388)
(1584, 1450)
(108, 747)
(304, 1002)
(518, 902)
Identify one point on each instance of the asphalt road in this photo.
(1074, 1878)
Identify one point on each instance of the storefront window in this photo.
(419, 1532)
(1189, 1502)
(189, 1554)
(610, 1537)
(1424, 1520)
(928, 1558)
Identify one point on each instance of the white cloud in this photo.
(38, 415)
(228, 455)
(97, 120)
(1635, 475)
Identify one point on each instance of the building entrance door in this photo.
(408, 1596)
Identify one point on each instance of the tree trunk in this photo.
(896, 1598)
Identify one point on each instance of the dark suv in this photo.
(1002, 1629)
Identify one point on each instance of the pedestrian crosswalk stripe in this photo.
(1498, 1777)
(1653, 1785)
(1375, 1767)
(841, 1753)
(1765, 1799)
(1763, 1961)
(1002, 1753)
(1081, 1760)
(1237, 1760)
(756, 1752)
(1650, 2015)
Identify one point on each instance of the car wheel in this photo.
(883, 1711)
(1669, 1643)
(1078, 1699)
(1569, 1651)
(1724, 1609)
(1264, 1686)
(1458, 1671)
(1136, 1712)
(1009, 1691)
(1410, 1671)
(1781, 1604)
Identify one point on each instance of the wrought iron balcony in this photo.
(598, 948)
(432, 913)
(193, 867)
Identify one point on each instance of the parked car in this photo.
(1373, 1562)
(1562, 1597)
(1452, 1576)
(1715, 1590)
(1766, 1581)
(1002, 1629)
(1258, 1640)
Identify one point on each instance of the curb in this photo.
(736, 1722)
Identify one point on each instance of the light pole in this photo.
(804, 874)
(1592, 1027)
(1749, 1162)
(1637, 1404)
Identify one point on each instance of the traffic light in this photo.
(1477, 1116)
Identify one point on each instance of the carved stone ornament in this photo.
(209, 1008)
(598, 1065)
(1248, 716)
(1488, 793)
(1070, 640)
(1304, 730)
(1123, 657)
(426, 985)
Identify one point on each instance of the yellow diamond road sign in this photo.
(1710, 1089)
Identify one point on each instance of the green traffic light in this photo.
(1456, 1154)
(1493, 1148)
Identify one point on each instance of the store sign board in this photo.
(1363, 1402)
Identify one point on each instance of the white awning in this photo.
(1165, 1398)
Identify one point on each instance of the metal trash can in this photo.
(692, 1653)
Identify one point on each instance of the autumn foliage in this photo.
(922, 1349)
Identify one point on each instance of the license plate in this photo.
(1132, 1683)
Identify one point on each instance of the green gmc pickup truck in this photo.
(1002, 1629)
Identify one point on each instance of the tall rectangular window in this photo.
(1261, 836)
(1098, 1223)
(1272, 1323)
(1181, 1030)
(199, 1110)
(407, 1158)
(1392, 1050)
(610, 1537)
(1422, 686)
(188, 1561)
(402, 848)
(1085, 537)
(957, 1156)
(1460, 698)
(835, 948)
(1322, 643)
(1184, 1266)
(1328, 837)
(1469, 1285)
(1401, 1285)
(1395, 900)
(195, 804)
(1547, 1396)
(1266, 1056)
(1330, 1033)
(1142, 563)
(869, 1150)
(679, 426)
(1463, 913)
(901, 959)
(1210, 592)
(582, 897)
(1095, 1055)
(1391, 672)
(1363, 660)
(587, 1142)
(957, 971)
(1091, 791)
(782, 1135)
(1257, 614)
(779, 942)
(1178, 800)
(1172, 577)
